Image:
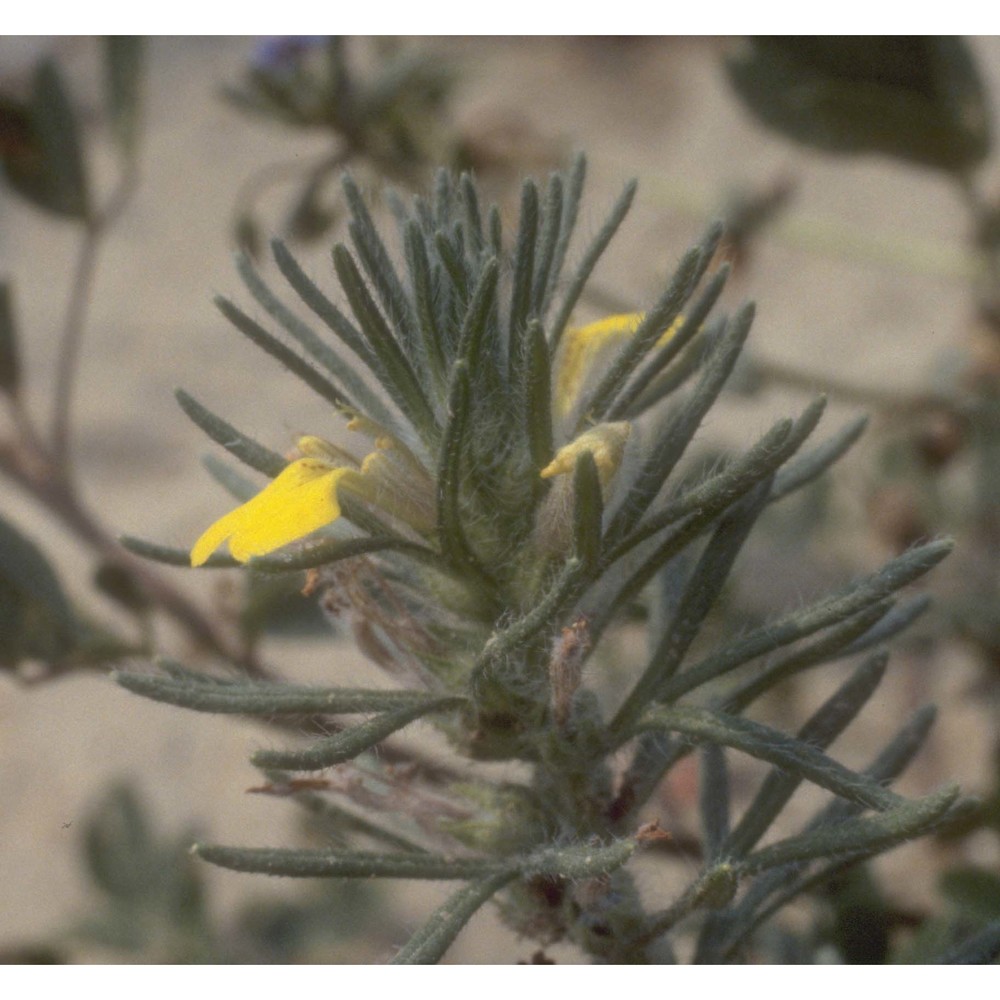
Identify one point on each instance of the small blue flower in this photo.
(280, 53)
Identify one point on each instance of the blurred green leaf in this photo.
(310, 216)
(153, 897)
(24, 565)
(124, 70)
(10, 365)
(919, 99)
(118, 845)
(47, 166)
(974, 890)
(246, 235)
(36, 617)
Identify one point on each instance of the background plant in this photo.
(922, 101)
(722, 608)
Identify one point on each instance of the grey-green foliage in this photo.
(46, 164)
(36, 619)
(515, 529)
(150, 902)
(920, 99)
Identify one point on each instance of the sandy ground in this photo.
(659, 110)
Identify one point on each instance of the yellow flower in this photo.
(297, 502)
(606, 442)
(583, 344)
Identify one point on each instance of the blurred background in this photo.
(872, 261)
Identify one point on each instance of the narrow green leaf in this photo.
(654, 323)
(571, 862)
(381, 271)
(495, 231)
(477, 315)
(443, 199)
(677, 374)
(784, 882)
(702, 503)
(835, 643)
(311, 295)
(453, 262)
(524, 269)
(124, 72)
(292, 863)
(904, 746)
(570, 212)
(406, 390)
(349, 743)
(706, 582)
(424, 299)
(812, 465)
(358, 395)
(823, 727)
(472, 219)
(428, 945)
(713, 799)
(799, 624)
(897, 620)
(255, 698)
(283, 354)
(178, 671)
(577, 861)
(695, 511)
(424, 214)
(231, 480)
(679, 428)
(862, 836)
(330, 550)
(538, 408)
(714, 888)
(236, 443)
(454, 543)
(590, 258)
(773, 746)
(171, 556)
(691, 325)
(548, 237)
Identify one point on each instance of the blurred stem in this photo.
(824, 236)
(74, 322)
(892, 403)
(315, 171)
(43, 468)
(34, 468)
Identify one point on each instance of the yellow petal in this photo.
(215, 536)
(296, 503)
(606, 442)
(583, 344)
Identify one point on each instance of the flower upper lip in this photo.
(297, 502)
